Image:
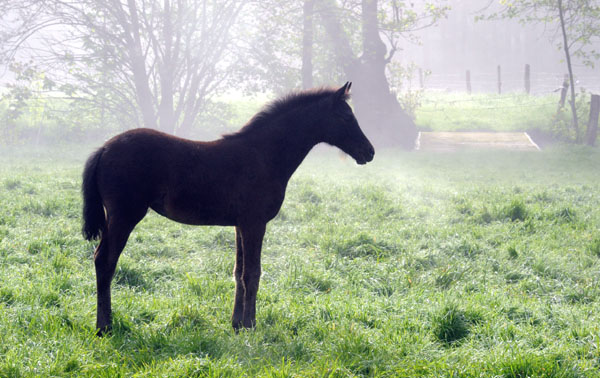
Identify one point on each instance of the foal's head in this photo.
(341, 128)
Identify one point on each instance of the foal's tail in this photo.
(94, 219)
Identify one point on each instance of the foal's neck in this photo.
(291, 138)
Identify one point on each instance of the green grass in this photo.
(493, 112)
(437, 111)
(471, 264)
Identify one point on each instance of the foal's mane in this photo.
(291, 101)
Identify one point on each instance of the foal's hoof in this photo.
(103, 331)
(237, 326)
(251, 324)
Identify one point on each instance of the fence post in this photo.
(563, 91)
(499, 80)
(468, 81)
(592, 129)
(527, 79)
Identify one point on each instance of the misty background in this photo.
(83, 70)
(448, 262)
(460, 42)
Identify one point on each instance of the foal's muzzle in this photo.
(366, 155)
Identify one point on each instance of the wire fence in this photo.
(438, 105)
(540, 83)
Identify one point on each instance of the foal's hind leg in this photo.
(250, 238)
(105, 259)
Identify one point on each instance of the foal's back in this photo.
(187, 181)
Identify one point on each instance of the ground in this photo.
(428, 264)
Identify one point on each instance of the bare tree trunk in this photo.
(592, 129)
(377, 109)
(342, 49)
(374, 103)
(166, 114)
(307, 41)
(138, 67)
(571, 80)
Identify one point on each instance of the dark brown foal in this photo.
(238, 180)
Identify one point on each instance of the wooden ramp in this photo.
(455, 140)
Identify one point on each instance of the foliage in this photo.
(412, 222)
(44, 120)
(562, 122)
(410, 98)
(274, 47)
(30, 112)
(493, 112)
(152, 63)
(582, 19)
(577, 22)
(63, 120)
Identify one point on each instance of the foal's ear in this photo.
(343, 93)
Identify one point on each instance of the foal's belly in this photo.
(219, 202)
(199, 213)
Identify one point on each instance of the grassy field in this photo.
(492, 112)
(437, 111)
(471, 264)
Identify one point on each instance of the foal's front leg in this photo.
(247, 274)
(238, 305)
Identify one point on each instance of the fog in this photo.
(82, 70)
(299, 188)
(460, 43)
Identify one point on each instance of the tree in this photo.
(278, 46)
(155, 62)
(376, 106)
(352, 40)
(307, 43)
(574, 23)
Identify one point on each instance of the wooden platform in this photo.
(452, 141)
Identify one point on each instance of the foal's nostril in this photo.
(367, 154)
(371, 152)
